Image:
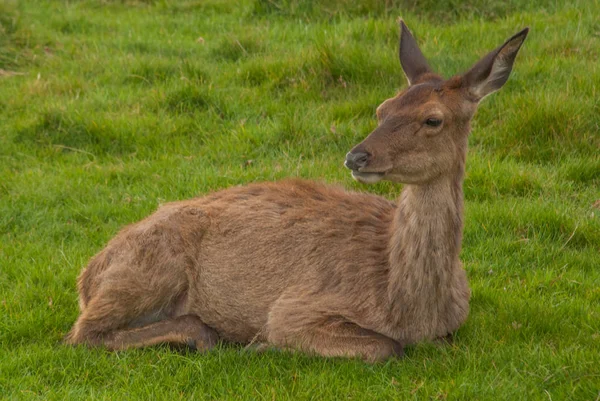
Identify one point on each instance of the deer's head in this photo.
(422, 132)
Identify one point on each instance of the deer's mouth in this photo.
(367, 178)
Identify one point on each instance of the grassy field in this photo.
(110, 108)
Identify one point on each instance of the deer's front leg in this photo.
(305, 325)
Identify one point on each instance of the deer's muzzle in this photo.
(356, 160)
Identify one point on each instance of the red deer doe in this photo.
(305, 266)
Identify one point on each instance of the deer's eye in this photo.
(433, 122)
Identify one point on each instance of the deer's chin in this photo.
(367, 178)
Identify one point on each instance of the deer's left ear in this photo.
(492, 71)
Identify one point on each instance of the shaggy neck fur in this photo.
(424, 248)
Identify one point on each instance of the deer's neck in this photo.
(424, 248)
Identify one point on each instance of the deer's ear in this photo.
(412, 60)
(492, 71)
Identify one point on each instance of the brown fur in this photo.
(301, 265)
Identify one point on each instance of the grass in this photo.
(110, 108)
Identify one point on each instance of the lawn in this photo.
(110, 108)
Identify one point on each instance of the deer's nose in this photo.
(356, 160)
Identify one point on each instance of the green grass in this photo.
(109, 108)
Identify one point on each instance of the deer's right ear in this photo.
(412, 60)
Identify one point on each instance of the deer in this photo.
(305, 266)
